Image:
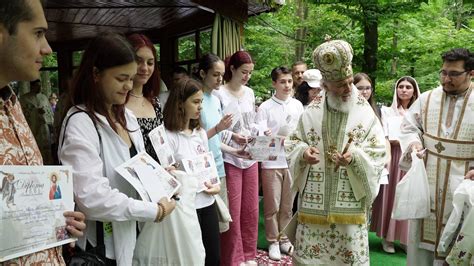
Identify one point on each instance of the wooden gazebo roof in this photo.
(71, 21)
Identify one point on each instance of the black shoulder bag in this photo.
(91, 256)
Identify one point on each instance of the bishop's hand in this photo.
(311, 155)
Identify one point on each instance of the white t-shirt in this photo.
(282, 118)
(189, 146)
(246, 123)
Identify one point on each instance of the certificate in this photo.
(160, 143)
(233, 108)
(265, 148)
(33, 200)
(149, 179)
(394, 124)
(203, 167)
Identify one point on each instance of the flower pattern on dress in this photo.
(313, 137)
(358, 134)
(332, 245)
(148, 124)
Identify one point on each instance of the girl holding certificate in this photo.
(188, 140)
(143, 99)
(405, 93)
(239, 243)
(97, 135)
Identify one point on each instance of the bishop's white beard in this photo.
(336, 102)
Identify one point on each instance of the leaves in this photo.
(425, 29)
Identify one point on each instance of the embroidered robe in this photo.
(333, 205)
(444, 124)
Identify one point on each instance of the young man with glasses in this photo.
(441, 122)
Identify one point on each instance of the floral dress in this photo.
(147, 124)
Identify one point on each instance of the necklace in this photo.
(136, 96)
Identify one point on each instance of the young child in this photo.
(281, 113)
(187, 140)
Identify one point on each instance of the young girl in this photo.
(97, 135)
(406, 91)
(211, 70)
(143, 99)
(239, 243)
(187, 140)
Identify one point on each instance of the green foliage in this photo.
(424, 30)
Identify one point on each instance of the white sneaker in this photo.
(286, 247)
(388, 246)
(274, 251)
(250, 263)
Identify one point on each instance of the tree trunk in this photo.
(370, 24)
(393, 71)
(459, 11)
(301, 14)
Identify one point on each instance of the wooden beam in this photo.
(236, 10)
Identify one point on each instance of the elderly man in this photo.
(442, 122)
(336, 157)
(22, 46)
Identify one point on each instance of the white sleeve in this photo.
(93, 194)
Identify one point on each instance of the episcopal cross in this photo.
(439, 147)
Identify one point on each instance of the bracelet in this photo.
(217, 131)
(163, 213)
(158, 214)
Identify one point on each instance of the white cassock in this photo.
(444, 124)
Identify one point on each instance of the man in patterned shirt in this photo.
(22, 47)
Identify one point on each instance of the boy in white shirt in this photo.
(281, 113)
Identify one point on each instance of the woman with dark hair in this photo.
(211, 70)
(143, 99)
(405, 93)
(365, 86)
(99, 134)
(239, 243)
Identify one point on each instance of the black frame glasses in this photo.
(452, 74)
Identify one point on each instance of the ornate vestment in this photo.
(444, 124)
(335, 202)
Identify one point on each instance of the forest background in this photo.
(390, 39)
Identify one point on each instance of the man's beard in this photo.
(335, 102)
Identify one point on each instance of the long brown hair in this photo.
(173, 114)
(414, 84)
(152, 88)
(105, 51)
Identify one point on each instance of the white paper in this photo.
(158, 182)
(265, 148)
(394, 123)
(384, 177)
(203, 167)
(148, 187)
(233, 108)
(33, 201)
(261, 126)
(160, 143)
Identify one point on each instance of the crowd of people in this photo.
(341, 154)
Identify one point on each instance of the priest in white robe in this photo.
(336, 157)
(442, 122)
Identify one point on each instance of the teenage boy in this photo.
(281, 113)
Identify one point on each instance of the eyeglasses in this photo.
(364, 88)
(452, 74)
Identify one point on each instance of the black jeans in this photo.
(209, 223)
